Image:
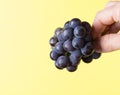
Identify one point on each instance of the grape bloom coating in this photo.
(71, 44)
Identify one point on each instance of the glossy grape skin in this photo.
(96, 55)
(74, 22)
(79, 32)
(87, 49)
(86, 25)
(59, 48)
(78, 43)
(60, 38)
(54, 55)
(88, 38)
(67, 33)
(87, 59)
(66, 25)
(53, 41)
(71, 68)
(76, 53)
(68, 46)
(57, 66)
(58, 31)
(74, 60)
(62, 61)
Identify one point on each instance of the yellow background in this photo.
(25, 66)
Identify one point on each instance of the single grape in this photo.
(88, 38)
(74, 22)
(76, 53)
(78, 43)
(74, 60)
(86, 25)
(53, 41)
(87, 49)
(58, 31)
(57, 66)
(60, 38)
(67, 33)
(71, 68)
(96, 55)
(68, 46)
(66, 25)
(79, 32)
(59, 48)
(87, 59)
(62, 61)
(54, 55)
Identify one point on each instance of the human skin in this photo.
(105, 28)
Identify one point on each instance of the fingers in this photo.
(105, 18)
(107, 43)
(106, 22)
(114, 28)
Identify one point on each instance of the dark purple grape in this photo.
(59, 48)
(86, 25)
(74, 61)
(79, 32)
(57, 66)
(78, 43)
(62, 61)
(87, 59)
(87, 49)
(74, 22)
(71, 68)
(68, 46)
(76, 53)
(60, 38)
(96, 55)
(54, 55)
(66, 25)
(58, 31)
(53, 41)
(67, 33)
(88, 38)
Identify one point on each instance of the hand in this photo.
(106, 28)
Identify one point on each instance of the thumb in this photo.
(107, 43)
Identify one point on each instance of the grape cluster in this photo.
(71, 44)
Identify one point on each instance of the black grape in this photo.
(59, 48)
(87, 49)
(78, 43)
(58, 31)
(74, 22)
(86, 25)
(54, 55)
(67, 34)
(79, 32)
(53, 41)
(71, 68)
(96, 55)
(74, 60)
(62, 61)
(87, 59)
(66, 25)
(68, 46)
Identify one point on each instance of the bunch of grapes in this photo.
(71, 44)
